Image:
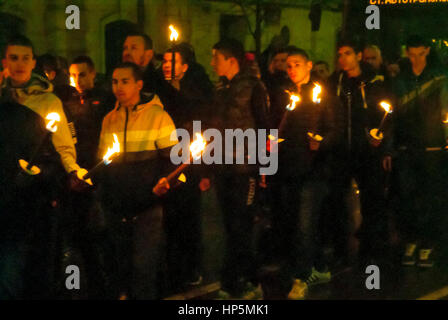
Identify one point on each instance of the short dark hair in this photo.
(84, 59)
(353, 43)
(325, 63)
(416, 41)
(19, 40)
(136, 71)
(47, 62)
(146, 38)
(186, 52)
(231, 48)
(294, 51)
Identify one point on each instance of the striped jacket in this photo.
(145, 135)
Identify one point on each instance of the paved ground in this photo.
(348, 282)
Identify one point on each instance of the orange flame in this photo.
(317, 90)
(446, 119)
(386, 106)
(111, 151)
(53, 118)
(197, 146)
(72, 82)
(294, 100)
(174, 35)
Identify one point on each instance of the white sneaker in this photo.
(317, 277)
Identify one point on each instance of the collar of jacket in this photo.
(36, 85)
(144, 101)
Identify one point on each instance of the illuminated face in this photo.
(298, 68)
(220, 63)
(134, 51)
(20, 63)
(321, 70)
(372, 57)
(279, 62)
(124, 86)
(180, 68)
(83, 77)
(417, 56)
(348, 59)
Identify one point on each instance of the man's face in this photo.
(298, 68)
(134, 51)
(124, 86)
(83, 77)
(180, 68)
(220, 64)
(417, 56)
(321, 70)
(372, 57)
(20, 63)
(348, 59)
(279, 62)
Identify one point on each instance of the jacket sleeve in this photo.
(62, 140)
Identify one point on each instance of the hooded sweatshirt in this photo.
(142, 131)
(37, 95)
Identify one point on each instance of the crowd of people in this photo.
(137, 235)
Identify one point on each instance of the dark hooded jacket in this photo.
(422, 106)
(363, 113)
(295, 156)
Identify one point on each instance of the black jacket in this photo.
(241, 103)
(22, 131)
(364, 112)
(295, 156)
(421, 108)
(85, 113)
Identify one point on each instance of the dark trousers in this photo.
(422, 193)
(184, 233)
(137, 244)
(236, 194)
(367, 171)
(297, 208)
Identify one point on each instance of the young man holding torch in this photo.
(133, 212)
(360, 153)
(309, 133)
(421, 136)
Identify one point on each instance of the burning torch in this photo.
(107, 159)
(196, 149)
(173, 38)
(294, 99)
(317, 90)
(51, 127)
(377, 133)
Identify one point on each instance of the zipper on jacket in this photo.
(125, 134)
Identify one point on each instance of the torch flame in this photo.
(53, 118)
(72, 82)
(111, 151)
(294, 100)
(446, 119)
(386, 106)
(197, 146)
(316, 91)
(174, 35)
